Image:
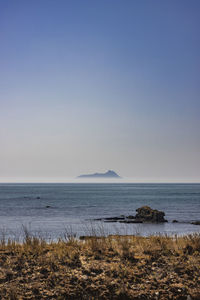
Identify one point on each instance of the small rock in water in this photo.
(130, 217)
(111, 219)
(196, 223)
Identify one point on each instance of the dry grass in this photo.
(113, 267)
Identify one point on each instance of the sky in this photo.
(87, 86)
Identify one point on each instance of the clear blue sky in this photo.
(87, 86)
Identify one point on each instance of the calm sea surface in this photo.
(73, 206)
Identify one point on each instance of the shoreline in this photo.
(100, 228)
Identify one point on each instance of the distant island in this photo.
(108, 174)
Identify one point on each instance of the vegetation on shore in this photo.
(113, 267)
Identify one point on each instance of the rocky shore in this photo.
(113, 267)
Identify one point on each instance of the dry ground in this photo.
(114, 267)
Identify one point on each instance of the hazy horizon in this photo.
(88, 86)
(97, 180)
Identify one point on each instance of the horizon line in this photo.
(104, 181)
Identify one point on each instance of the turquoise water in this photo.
(72, 207)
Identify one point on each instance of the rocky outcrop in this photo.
(147, 214)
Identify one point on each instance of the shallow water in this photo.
(73, 206)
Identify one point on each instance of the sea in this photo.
(65, 210)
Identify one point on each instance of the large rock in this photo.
(147, 214)
(144, 214)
